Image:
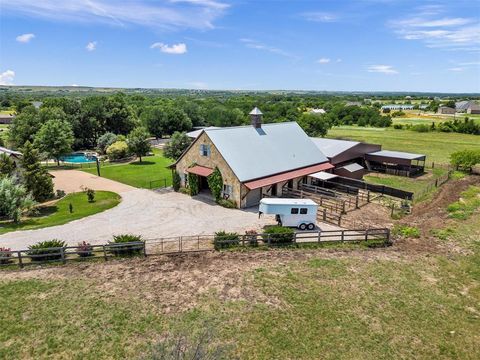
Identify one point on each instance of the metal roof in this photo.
(10, 152)
(274, 179)
(287, 201)
(255, 111)
(200, 170)
(397, 154)
(254, 153)
(195, 133)
(323, 175)
(352, 167)
(333, 147)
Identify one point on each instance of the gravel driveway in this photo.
(146, 213)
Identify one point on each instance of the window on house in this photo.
(205, 150)
(185, 179)
(294, 211)
(303, 211)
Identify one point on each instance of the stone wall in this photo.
(215, 159)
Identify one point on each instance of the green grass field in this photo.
(59, 213)
(323, 306)
(152, 168)
(436, 145)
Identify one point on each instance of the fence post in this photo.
(269, 241)
(294, 237)
(368, 196)
(319, 235)
(366, 235)
(62, 254)
(343, 235)
(145, 249)
(198, 242)
(356, 202)
(20, 262)
(104, 253)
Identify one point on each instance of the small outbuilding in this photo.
(6, 118)
(396, 163)
(446, 110)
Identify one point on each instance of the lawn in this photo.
(436, 145)
(59, 212)
(151, 169)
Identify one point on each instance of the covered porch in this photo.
(396, 163)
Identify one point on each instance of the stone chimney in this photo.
(256, 117)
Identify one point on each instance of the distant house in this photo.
(446, 110)
(255, 161)
(469, 107)
(317, 111)
(6, 118)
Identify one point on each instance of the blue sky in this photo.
(370, 45)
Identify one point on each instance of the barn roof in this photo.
(9, 152)
(254, 153)
(397, 155)
(333, 147)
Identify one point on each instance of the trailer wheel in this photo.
(311, 226)
(302, 226)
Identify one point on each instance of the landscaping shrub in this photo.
(278, 235)
(251, 237)
(42, 251)
(193, 184)
(60, 194)
(223, 240)
(5, 255)
(465, 159)
(127, 250)
(398, 126)
(176, 181)
(406, 231)
(230, 204)
(420, 128)
(90, 195)
(118, 150)
(215, 183)
(84, 249)
(184, 190)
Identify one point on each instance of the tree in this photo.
(7, 165)
(118, 150)
(24, 126)
(55, 138)
(138, 142)
(105, 141)
(314, 125)
(465, 159)
(177, 145)
(153, 119)
(175, 120)
(35, 177)
(14, 199)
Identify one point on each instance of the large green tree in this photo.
(138, 142)
(177, 145)
(7, 165)
(55, 139)
(175, 119)
(35, 177)
(24, 126)
(313, 124)
(153, 119)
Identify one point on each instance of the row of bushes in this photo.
(49, 250)
(274, 235)
(468, 126)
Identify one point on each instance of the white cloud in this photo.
(91, 46)
(167, 14)
(456, 69)
(6, 78)
(25, 38)
(323, 60)
(254, 44)
(449, 33)
(384, 69)
(319, 16)
(176, 49)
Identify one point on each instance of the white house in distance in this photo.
(12, 154)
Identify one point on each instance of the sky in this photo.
(361, 45)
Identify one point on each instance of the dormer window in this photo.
(205, 150)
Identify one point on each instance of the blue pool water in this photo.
(78, 158)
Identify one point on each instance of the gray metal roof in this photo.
(352, 167)
(195, 133)
(333, 147)
(274, 148)
(255, 111)
(397, 154)
(9, 152)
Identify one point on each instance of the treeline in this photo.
(87, 119)
(465, 126)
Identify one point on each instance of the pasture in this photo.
(151, 169)
(436, 145)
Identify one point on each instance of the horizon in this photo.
(385, 45)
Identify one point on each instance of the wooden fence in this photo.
(175, 245)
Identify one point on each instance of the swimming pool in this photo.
(79, 158)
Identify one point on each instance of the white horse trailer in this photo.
(300, 213)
